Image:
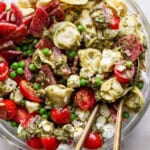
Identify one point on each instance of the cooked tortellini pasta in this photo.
(89, 60)
(58, 64)
(111, 90)
(75, 2)
(58, 95)
(7, 86)
(130, 25)
(109, 58)
(109, 33)
(86, 21)
(42, 3)
(118, 5)
(134, 100)
(65, 35)
(89, 34)
(24, 3)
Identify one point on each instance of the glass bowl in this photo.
(9, 134)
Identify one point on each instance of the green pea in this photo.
(23, 102)
(72, 54)
(45, 51)
(24, 48)
(42, 111)
(46, 116)
(29, 52)
(140, 85)
(98, 82)
(32, 67)
(17, 48)
(129, 64)
(36, 86)
(126, 115)
(13, 124)
(25, 54)
(20, 71)
(22, 64)
(83, 82)
(35, 41)
(14, 65)
(13, 74)
(101, 20)
(80, 28)
(73, 116)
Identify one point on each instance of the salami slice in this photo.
(39, 22)
(6, 28)
(17, 14)
(27, 20)
(18, 35)
(28, 74)
(44, 43)
(131, 46)
(10, 55)
(2, 7)
(3, 17)
(52, 5)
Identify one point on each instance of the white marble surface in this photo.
(139, 138)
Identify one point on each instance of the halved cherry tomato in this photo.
(115, 21)
(61, 115)
(2, 7)
(50, 143)
(35, 143)
(93, 141)
(4, 70)
(20, 115)
(122, 73)
(27, 120)
(8, 109)
(84, 98)
(28, 91)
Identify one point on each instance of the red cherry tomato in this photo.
(28, 119)
(115, 21)
(20, 115)
(93, 141)
(122, 73)
(35, 143)
(8, 109)
(28, 91)
(4, 70)
(61, 115)
(84, 98)
(50, 143)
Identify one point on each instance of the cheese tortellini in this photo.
(119, 6)
(109, 58)
(75, 2)
(58, 95)
(135, 100)
(130, 25)
(89, 60)
(65, 35)
(111, 90)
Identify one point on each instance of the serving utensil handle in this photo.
(87, 128)
(117, 136)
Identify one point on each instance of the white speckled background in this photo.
(139, 138)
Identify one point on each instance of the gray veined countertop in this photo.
(139, 138)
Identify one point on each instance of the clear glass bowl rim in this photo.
(18, 143)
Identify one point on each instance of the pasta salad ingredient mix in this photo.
(58, 58)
